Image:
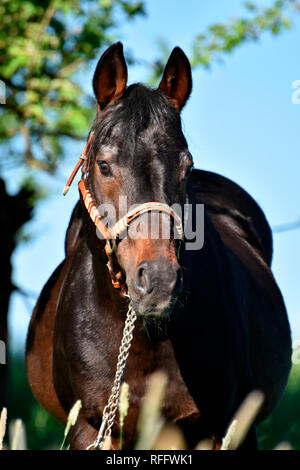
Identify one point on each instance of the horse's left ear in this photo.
(177, 79)
(110, 77)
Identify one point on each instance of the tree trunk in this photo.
(15, 211)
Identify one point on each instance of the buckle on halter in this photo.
(109, 248)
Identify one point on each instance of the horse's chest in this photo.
(177, 402)
(177, 405)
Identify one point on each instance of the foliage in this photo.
(43, 431)
(223, 38)
(284, 422)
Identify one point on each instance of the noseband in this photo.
(113, 233)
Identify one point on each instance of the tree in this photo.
(15, 211)
(46, 42)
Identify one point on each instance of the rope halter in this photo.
(114, 232)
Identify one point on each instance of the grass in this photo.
(44, 432)
(284, 423)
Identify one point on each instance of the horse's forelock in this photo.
(141, 114)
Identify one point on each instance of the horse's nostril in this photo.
(156, 278)
(140, 275)
(142, 279)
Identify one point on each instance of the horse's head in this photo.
(139, 155)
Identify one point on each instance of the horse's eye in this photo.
(104, 167)
(188, 172)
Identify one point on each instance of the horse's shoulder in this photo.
(229, 205)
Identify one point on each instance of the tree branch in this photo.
(287, 227)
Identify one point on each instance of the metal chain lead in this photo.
(110, 409)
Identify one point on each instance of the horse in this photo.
(213, 319)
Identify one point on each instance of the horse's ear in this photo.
(176, 82)
(110, 77)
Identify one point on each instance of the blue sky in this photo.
(240, 122)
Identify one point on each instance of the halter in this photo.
(114, 232)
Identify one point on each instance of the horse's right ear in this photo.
(110, 77)
(176, 82)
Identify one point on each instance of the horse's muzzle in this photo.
(154, 286)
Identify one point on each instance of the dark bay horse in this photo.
(213, 318)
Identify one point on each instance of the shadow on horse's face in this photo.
(139, 155)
